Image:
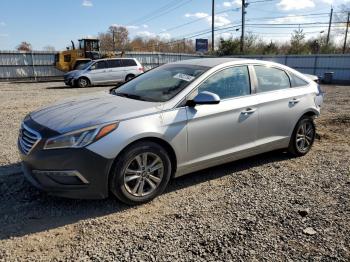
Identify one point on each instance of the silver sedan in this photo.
(168, 122)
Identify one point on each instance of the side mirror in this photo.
(205, 98)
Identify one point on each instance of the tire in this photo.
(83, 82)
(303, 137)
(140, 184)
(129, 77)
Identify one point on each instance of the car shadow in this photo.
(25, 210)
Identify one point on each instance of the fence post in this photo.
(315, 64)
(33, 66)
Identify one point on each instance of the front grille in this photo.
(28, 139)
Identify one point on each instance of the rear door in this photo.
(98, 72)
(280, 106)
(115, 71)
(218, 133)
(130, 67)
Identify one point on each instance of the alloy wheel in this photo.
(83, 82)
(305, 136)
(143, 174)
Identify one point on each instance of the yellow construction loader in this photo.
(70, 59)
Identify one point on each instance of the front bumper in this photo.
(72, 172)
(69, 81)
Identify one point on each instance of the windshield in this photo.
(84, 66)
(160, 84)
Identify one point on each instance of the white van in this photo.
(104, 71)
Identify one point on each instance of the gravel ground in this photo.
(269, 207)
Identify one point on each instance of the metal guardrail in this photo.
(41, 65)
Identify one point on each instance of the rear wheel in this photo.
(83, 82)
(303, 137)
(141, 173)
(129, 77)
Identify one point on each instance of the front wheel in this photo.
(141, 173)
(303, 137)
(83, 82)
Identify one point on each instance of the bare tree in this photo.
(106, 41)
(116, 38)
(24, 46)
(120, 36)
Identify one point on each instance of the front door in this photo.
(98, 72)
(218, 133)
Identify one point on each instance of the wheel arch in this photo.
(166, 145)
(86, 77)
(129, 74)
(311, 112)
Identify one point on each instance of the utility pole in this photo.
(113, 40)
(212, 24)
(330, 24)
(346, 32)
(244, 5)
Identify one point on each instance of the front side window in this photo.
(271, 79)
(228, 83)
(160, 84)
(99, 65)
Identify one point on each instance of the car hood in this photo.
(72, 73)
(94, 109)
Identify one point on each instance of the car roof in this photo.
(212, 62)
(113, 58)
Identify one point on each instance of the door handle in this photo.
(248, 111)
(294, 101)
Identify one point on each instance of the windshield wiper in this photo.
(131, 96)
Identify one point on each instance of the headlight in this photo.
(80, 138)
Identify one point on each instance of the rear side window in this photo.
(129, 62)
(114, 63)
(270, 79)
(228, 83)
(297, 81)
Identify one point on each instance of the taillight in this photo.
(141, 69)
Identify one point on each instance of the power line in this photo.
(168, 5)
(173, 5)
(259, 1)
(277, 34)
(166, 12)
(196, 20)
(289, 16)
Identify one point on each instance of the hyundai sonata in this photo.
(170, 121)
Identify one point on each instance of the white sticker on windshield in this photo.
(184, 77)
